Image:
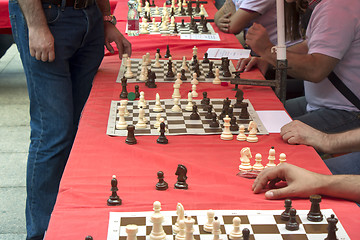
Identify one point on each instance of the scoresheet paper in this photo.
(209, 37)
(231, 53)
(274, 120)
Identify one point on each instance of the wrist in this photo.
(110, 18)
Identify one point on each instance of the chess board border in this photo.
(177, 14)
(181, 30)
(112, 131)
(161, 72)
(263, 224)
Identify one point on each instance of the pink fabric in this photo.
(5, 27)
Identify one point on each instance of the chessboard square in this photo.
(304, 219)
(213, 130)
(262, 219)
(177, 131)
(137, 237)
(167, 229)
(228, 219)
(267, 237)
(315, 228)
(278, 219)
(202, 232)
(154, 132)
(132, 220)
(294, 236)
(175, 114)
(193, 125)
(141, 230)
(318, 236)
(142, 131)
(264, 228)
(283, 230)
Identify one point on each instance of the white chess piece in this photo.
(144, 26)
(157, 123)
(194, 79)
(131, 231)
(125, 56)
(148, 59)
(184, 64)
(162, 120)
(157, 107)
(241, 136)
(155, 27)
(143, 73)
(195, 50)
(172, 21)
(236, 233)
(217, 76)
(157, 12)
(193, 92)
(121, 124)
(143, 61)
(181, 235)
(178, 79)
(271, 158)
(216, 229)
(129, 73)
(252, 138)
(226, 134)
(208, 226)
(157, 61)
(202, 10)
(164, 25)
(142, 102)
(124, 103)
(139, 7)
(258, 166)
(176, 107)
(180, 212)
(176, 93)
(189, 106)
(282, 158)
(189, 228)
(147, 7)
(245, 155)
(141, 123)
(157, 232)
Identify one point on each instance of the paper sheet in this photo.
(231, 53)
(209, 37)
(274, 120)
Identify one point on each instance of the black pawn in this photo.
(209, 115)
(197, 69)
(244, 114)
(315, 214)
(204, 97)
(137, 92)
(162, 138)
(206, 59)
(285, 215)
(332, 221)
(194, 115)
(161, 185)
(246, 234)
(234, 126)
(210, 74)
(124, 91)
(183, 76)
(204, 26)
(131, 135)
(170, 73)
(167, 54)
(152, 3)
(195, 30)
(114, 199)
(197, 7)
(158, 51)
(214, 122)
(292, 224)
(181, 172)
(89, 238)
(182, 23)
(175, 29)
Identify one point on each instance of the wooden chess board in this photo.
(160, 72)
(181, 29)
(177, 12)
(179, 123)
(263, 225)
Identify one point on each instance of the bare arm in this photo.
(303, 183)
(222, 16)
(41, 41)
(240, 20)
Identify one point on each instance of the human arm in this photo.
(297, 132)
(41, 40)
(222, 16)
(112, 34)
(303, 183)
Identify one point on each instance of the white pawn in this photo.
(148, 59)
(142, 102)
(194, 79)
(158, 107)
(164, 25)
(282, 158)
(208, 226)
(141, 123)
(125, 56)
(143, 61)
(271, 158)
(155, 27)
(129, 73)
(121, 124)
(157, 232)
(217, 76)
(189, 106)
(189, 228)
(157, 123)
(176, 93)
(131, 231)
(157, 12)
(258, 166)
(195, 50)
(184, 64)
(147, 7)
(226, 134)
(139, 7)
(181, 235)
(245, 155)
(202, 10)
(176, 107)
(252, 138)
(178, 79)
(193, 92)
(143, 73)
(144, 26)
(172, 21)
(241, 136)
(157, 61)
(216, 229)
(236, 233)
(124, 103)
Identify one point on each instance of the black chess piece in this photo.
(202, 18)
(197, 7)
(197, 69)
(151, 79)
(206, 104)
(208, 115)
(210, 74)
(168, 2)
(170, 73)
(162, 138)
(195, 28)
(206, 59)
(167, 54)
(226, 70)
(204, 26)
(204, 97)
(292, 224)
(183, 76)
(189, 8)
(161, 185)
(194, 115)
(234, 126)
(89, 237)
(137, 92)
(214, 122)
(332, 221)
(114, 199)
(239, 98)
(221, 68)
(182, 11)
(230, 112)
(130, 139)
(315, 214)
(124, 91)
(175, 29)
(172, 13)
(285, 215)
(182, 23)
(244, 114)
(158, 51)
(143, 3)
(152, 3)
(194, 61)
(181, 172)
(246, 234)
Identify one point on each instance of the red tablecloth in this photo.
(212, 164)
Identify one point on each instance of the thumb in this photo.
(109, 47)
(278, 193)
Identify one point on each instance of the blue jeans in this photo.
(58, 92)
(323, 119)
(345, 164)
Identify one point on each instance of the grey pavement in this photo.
(14, 143)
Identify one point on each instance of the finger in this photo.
(51, 56)
(279, 193)
(120, 48)
(243, 64)
(38, 55)
(44, 56)
(250, 64)
(227, 14)
(127, 49)
(109, 47)
(32, 52)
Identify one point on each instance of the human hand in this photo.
(300, 182)
(112, 34)
(246, 64)
(224, 22)
(41, 44)
(297, 132)
(258, 39)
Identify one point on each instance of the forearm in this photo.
(240, 20)
(341, 186)
(343, 142)
(104, 6)
(226, 8)
(33, 13)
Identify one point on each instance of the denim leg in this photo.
(57, 92)
(296, 107)
(345, 164)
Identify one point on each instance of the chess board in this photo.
(179, 123)
(160, 72)
(181, 29)
(177, 12)
(263, 225)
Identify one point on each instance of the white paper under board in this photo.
(231, 53)
(209, 37)
(274, 120)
